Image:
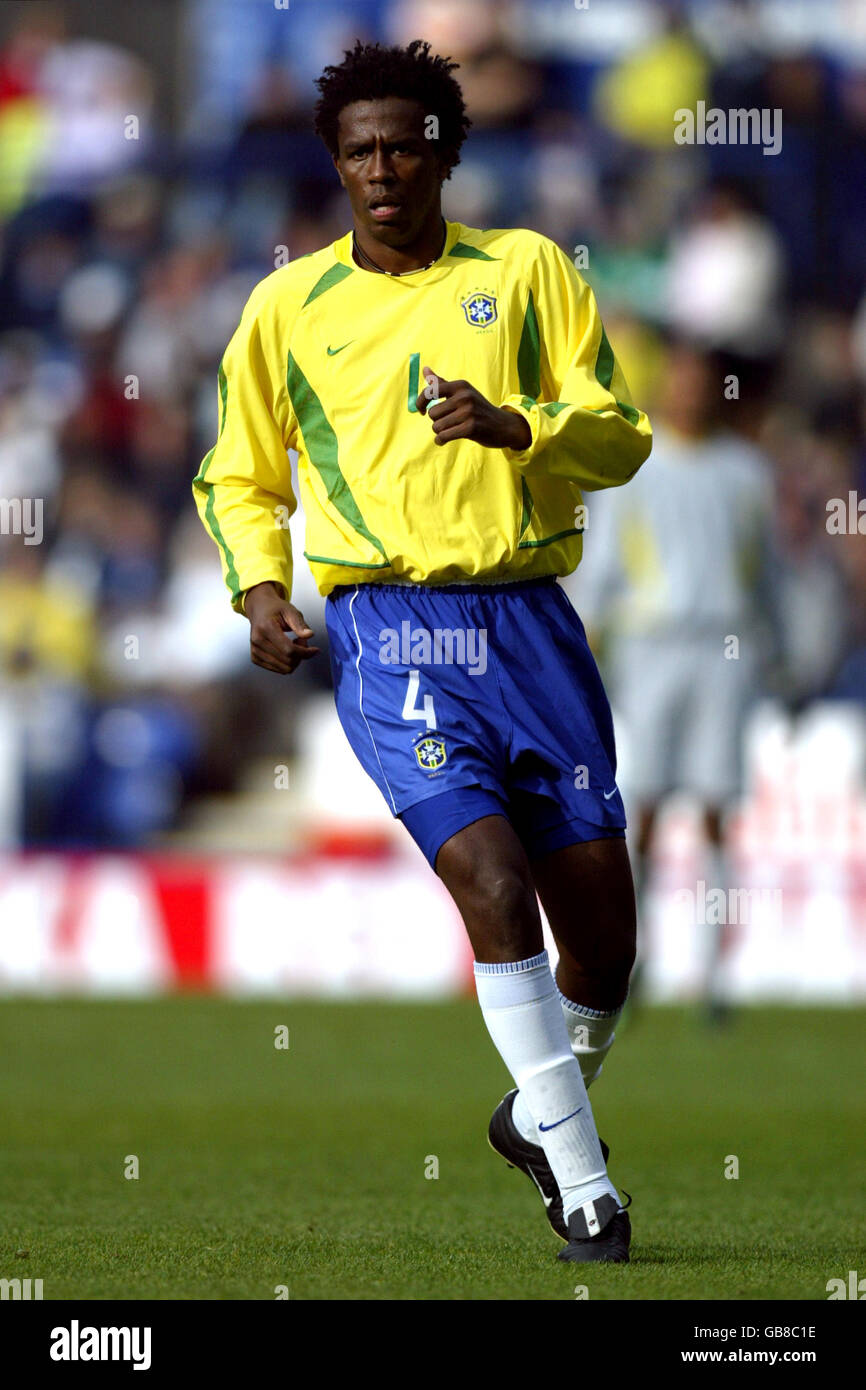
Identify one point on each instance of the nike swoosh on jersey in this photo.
(545, 1128)
(332, 352)
(608, 795)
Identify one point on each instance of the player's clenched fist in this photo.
(278, 633)
(461, 412)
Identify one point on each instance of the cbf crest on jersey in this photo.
(431, 754)
(480, 308)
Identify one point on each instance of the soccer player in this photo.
(450, 392)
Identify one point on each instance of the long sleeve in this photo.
(243, 489)
(573, 394)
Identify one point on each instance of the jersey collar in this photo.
(342, 249)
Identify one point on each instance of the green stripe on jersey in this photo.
(231, 573)
(321, 442)
(199, 483)
(347, 564)
(527, 506)
(414, 381)
(331, 277)
(471, 253)
(629, 412)
(548, 540)
(529, 376)
(529, 353)
(224, 398)
(604, 365)
(604, 362)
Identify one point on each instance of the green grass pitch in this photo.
(305, 1167)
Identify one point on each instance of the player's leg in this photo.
(448, 727)
(718, 933)
(586, 890)
(587, 893)
(486, 870)
(562, 792)
(711, 768)
(650, 682)
(645, 816)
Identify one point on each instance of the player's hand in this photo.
(464, 413)
(272, 620)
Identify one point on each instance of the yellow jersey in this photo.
(327, 360)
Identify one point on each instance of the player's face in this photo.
(390, 171)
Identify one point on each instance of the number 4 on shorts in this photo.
(410, 704)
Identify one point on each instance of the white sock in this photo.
(520, 1004)
(591, 1033)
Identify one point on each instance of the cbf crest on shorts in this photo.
(431, 754)
(480, 309)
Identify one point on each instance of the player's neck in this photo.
(376, 256)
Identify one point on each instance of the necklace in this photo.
(395, 274)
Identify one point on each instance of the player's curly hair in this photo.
(371, 71)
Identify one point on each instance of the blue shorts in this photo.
(468, 700)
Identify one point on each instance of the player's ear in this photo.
(336, 163)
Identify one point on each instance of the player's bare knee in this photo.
(498, 906)
(503, 895)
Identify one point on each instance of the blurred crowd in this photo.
(145, 188)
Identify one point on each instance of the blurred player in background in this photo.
(444, 513)
(674, 585)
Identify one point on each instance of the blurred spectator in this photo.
(24, 116)
(98, 103)
(674, 581)
(638, 95)
(247, 58)
(499, 86)
(725, 275)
